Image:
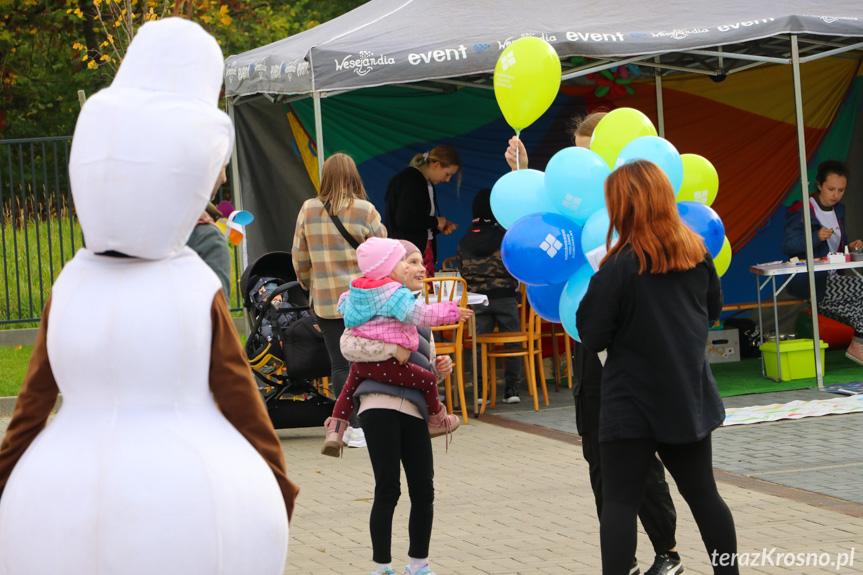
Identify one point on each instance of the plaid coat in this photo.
(325, 263)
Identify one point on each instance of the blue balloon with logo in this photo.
(545, 301)
(595, 231)
(575, 182)
(518, 194)
(570, 298)
(542, 249)
(705, 222)
(657, 150)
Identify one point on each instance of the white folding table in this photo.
(769, 272)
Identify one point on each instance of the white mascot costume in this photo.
(161, 459)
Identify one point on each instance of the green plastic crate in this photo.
(797, 357)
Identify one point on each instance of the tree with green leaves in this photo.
(51, 49)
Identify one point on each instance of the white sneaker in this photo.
(346, 438)
(358, 437)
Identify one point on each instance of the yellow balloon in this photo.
(617, 129)
(700, 180)
(723, 258)
(526, 80)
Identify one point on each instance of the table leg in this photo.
(473, 355)
(760, 324)
(776, 325)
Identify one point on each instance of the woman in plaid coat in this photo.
(324, 261)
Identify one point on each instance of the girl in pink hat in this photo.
(379, 307)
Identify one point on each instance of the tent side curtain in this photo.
(273, 179)
(744, 125)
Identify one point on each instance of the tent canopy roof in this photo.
(408, 41)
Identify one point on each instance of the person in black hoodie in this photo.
(481, 266)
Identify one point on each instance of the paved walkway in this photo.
(513, 497)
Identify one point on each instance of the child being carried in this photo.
(379, 307)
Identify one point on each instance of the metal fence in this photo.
(39, 231)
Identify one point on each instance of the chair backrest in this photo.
(450, 264)
(445, 288)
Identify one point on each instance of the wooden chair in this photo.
(449, 265)
(530, 351)
(451, 340)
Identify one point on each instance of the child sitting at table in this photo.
(379, 307)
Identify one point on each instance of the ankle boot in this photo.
(335, 431)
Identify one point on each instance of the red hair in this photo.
(641, 208)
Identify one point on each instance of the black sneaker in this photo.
(635, 570)
(665, 565)
(510, 395)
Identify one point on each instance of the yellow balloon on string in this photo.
(700, 180)
(526, 80)
(723, 259)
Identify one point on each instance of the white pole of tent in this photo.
(319, 133)
(660, 111)
(238, 193)
(807, 219)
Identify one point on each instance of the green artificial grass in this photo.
(744, 377)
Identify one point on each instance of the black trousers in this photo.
(395, 439)
(332, 330)
(656, 511)
(625, 468)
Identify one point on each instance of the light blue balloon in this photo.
(571, 297)
(705, 222)
(657, 150)
(545, 301)
(518, 194)
(574, 181)
(595, 230)
(542, 249)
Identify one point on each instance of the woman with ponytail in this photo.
(412, 212)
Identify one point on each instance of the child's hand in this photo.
(444, 365)
(402, 355)
(464, 313)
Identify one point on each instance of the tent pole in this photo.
(319, 133)
(237, 193)
(660, 111)
(807, 219)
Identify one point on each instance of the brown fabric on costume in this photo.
(234, 390)
(34, 404)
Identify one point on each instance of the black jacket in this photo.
(656, 382)
(406, 216)
(480, 263)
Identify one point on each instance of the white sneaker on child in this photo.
(357, 437)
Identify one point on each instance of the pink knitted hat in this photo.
(378, 257)
(410, 247)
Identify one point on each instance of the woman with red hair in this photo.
(649, 307)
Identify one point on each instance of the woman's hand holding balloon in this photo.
(516, 155)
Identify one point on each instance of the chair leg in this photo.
(568, 352)
(448, 392)
(493, 377)
(542, 377)
(484, 350)
(460, 382)
(532, 360)
(526, 360)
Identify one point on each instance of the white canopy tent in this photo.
(433, 44)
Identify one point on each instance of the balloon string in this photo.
(517, 154)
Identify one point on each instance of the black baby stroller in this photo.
(285, 345)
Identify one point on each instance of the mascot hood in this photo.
(148, 149)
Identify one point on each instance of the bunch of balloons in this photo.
(557, 223)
